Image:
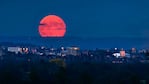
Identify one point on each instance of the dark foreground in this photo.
(56, 71)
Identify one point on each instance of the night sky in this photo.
(84, 18)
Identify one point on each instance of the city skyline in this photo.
(74, 41)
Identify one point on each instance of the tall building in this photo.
(73, 51)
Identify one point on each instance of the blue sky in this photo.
(84, 18)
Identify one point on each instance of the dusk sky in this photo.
(84, 18)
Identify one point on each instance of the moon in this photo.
(52, 26)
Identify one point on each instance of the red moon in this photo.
(52, 26)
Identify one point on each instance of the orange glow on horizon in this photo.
(52, 26)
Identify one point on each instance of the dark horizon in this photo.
(84, 43)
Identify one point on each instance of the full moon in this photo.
(52, 26)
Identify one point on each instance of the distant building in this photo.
(122, 53)
(24, 50)
(33, 51)
(142, 51)
(64, 52)
(53, 51)
(133, 50)
(14, 49)
(114, 50)
(116, 55)
(85, 52)
(73, 51)
(1, 52)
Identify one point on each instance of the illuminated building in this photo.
(52, 51)
(133, 50)
(33, 51)
(115, 49)
(62, 48)
(85, 52)
(73, 51)
(116, 55)
(14, 49)
(64, 52)
(25, 50)
(143, 51)
(122, 53)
